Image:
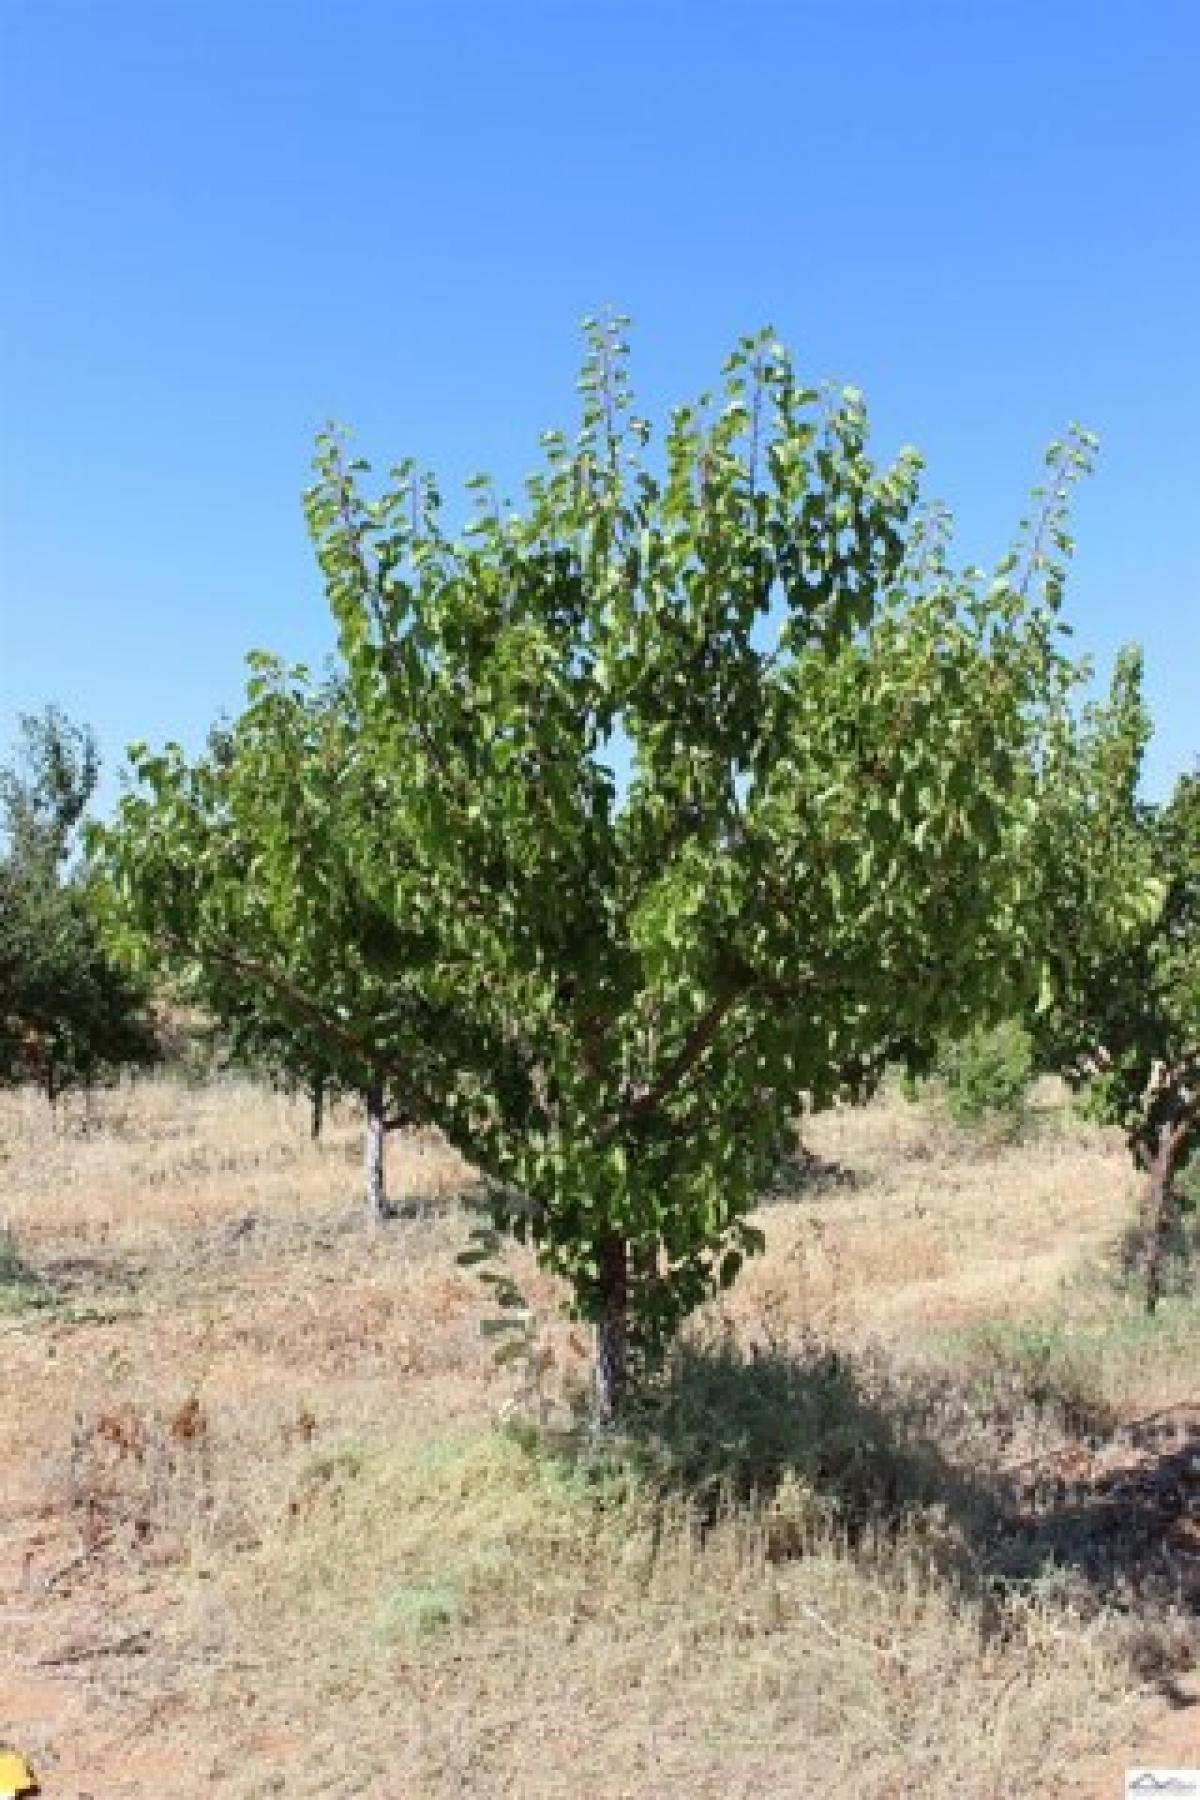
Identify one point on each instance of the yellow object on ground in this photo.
(16, 1776)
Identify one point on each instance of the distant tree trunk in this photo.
(611, 1371)
(318, 1106)
(1160, 1206)
(378, 1209)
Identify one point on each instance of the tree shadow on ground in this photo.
(803, 1175)
(884, 1452)
(72, 1277)
(1179, 1275)
(471, 1197)
(736, 1424)
(1121, 1510)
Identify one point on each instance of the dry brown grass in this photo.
(261, 1534)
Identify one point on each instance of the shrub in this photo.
(988, 1076)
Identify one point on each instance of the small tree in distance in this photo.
(69, 1015)
(255, 909)
(660, 807)
(988, 1076)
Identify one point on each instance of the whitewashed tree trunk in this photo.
(378, 1209)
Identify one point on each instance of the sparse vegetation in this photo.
(265, 1487)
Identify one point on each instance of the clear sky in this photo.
(225, 221)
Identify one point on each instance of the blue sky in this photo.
(225, 221)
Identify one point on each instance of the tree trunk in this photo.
(612, 1334)
(378, 1209)
(318, 1106)
(1159, 1209)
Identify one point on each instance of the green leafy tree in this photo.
(69, 1015)
(988, 1076)
(245, 892)
(1126, 1023)
(662, 805)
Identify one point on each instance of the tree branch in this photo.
(284, 986)
(650, 1094)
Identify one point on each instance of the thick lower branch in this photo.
(701, 1035)
(336, 1030)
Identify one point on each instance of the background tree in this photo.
(246, 894)
(254, 1034)
(1093, 824)
(284, 1055)
(661, 806)
(69, 1015)
(1126, 1023)
(988, 1077)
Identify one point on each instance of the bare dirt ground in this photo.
(918, 1514)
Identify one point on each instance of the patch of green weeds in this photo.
(22, 1289)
